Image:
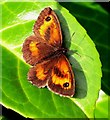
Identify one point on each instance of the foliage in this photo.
(29, 101)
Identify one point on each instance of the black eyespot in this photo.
(48, 18)
(66, 84)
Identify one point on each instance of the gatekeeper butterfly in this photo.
(44, 52)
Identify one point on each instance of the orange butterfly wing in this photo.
(62, 78)
(35, 50)
(47, 26)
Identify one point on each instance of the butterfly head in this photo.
(63, 50)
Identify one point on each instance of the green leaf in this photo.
(28, 100)
(101, 110)
(96, 22)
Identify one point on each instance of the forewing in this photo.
(62, 78)
(35, 50)
(47, 26)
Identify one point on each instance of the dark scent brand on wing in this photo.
(58, 72)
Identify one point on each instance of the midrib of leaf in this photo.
(12, 51)
(14, 25)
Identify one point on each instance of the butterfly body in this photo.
(44, 52)
(56, 53)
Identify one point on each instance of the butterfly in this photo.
(44, 52)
